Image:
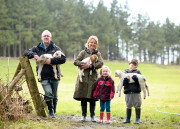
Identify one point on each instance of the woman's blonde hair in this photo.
(105, 67)
(89, 39)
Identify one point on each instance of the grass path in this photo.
(163, 81)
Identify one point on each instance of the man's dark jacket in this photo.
(47, 71)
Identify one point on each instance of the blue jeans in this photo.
(105, 104)
(50, 88)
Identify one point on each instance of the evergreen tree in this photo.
(5, 31)
(169, 29)
(139, 36)
(155, 41)
(125, 29)
(102, 25)
(114, 15)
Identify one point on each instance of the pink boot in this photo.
(101, 117)
(108, 117)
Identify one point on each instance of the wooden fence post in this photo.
(13, 83)
(32, 85)
(18, 69)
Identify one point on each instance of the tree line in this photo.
(71, 22)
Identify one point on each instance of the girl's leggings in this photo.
(105, 104)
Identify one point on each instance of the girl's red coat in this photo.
(104, 88)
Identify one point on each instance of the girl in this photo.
(105, 90)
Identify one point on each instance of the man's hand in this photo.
(36, 57)
(48, 61)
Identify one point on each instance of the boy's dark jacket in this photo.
(104, 89)
(131, 87)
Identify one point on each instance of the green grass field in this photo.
(163, 81)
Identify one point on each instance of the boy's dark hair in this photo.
(134, 62)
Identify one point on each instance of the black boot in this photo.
(128, 116)
(84, 112)
(138, 114)
(92, 109)
(51, 108)
(55, 104)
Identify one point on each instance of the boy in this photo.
(132, 92)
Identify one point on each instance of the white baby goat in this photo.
(91, 60)
(42, 60)
(141, 80)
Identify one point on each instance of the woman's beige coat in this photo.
(85, 89)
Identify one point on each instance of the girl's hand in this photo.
(111, 96)
(94, 95)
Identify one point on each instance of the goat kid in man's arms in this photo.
(42, 60)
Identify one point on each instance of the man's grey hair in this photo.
(46, 31)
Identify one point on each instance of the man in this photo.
(49, 83)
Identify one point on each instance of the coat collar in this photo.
(95, 51)
(106, 78)
(40, 45)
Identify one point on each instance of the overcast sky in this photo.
(157, 10)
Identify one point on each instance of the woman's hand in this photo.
(85, 66)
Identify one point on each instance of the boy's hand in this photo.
(125, 81)
(128, 76)
(135, 78)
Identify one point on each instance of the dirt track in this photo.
(75, 123)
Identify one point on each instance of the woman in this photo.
(84, 90)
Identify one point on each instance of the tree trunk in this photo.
(168, 55)
(173, 60)
(162, 59)
(20, 44)
(4, 50)
(8, 50)
(127, 50)
(144, 52)
(15, 50)
(140, 54)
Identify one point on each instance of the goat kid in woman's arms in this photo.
(141, 79)
(42, 60)
(90, 60)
